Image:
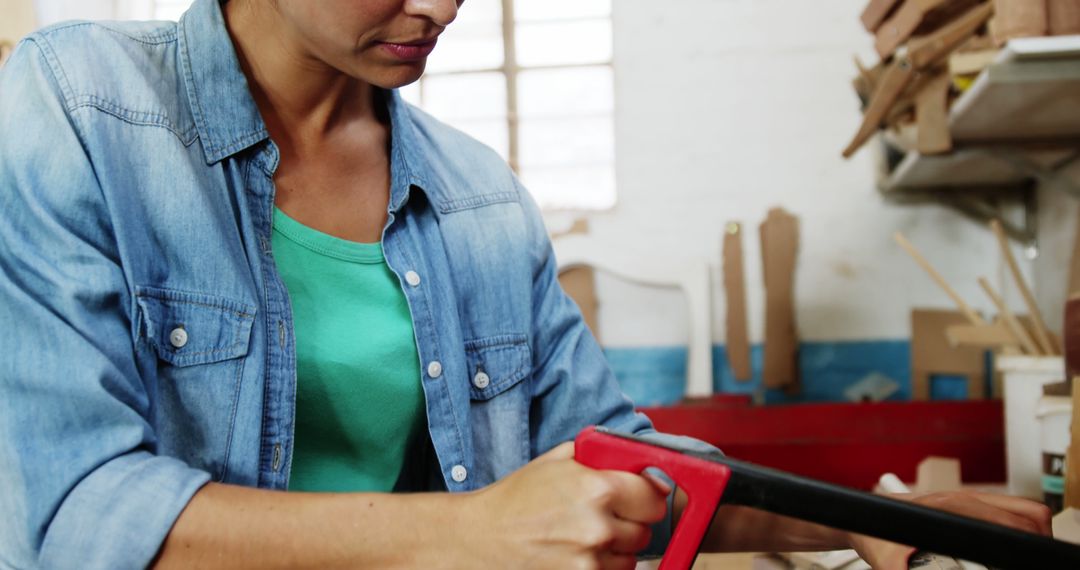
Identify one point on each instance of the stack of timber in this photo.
(931, 51)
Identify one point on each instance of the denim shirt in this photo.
(147, 342)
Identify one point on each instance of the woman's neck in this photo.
(300, 97)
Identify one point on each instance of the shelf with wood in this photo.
(1016, 126)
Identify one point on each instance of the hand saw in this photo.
(710, 480)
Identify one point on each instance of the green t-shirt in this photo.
(359, 402)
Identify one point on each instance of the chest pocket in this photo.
(498, 367)
(199, 342)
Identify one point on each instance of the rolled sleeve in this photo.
(81, 485)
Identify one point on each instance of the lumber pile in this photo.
(930, 51)
(1010, 332)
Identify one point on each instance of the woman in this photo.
(239, 264)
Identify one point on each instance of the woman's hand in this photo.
(1013, 512)
(556, 513)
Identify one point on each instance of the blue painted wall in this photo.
(657, 375)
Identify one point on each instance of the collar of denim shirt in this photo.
(228, 119)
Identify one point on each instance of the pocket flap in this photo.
(194, 328)
(504, 359)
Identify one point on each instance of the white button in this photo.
(481, 380)
(458, 473)
(434, 369)
(178, 337)
(412, 278)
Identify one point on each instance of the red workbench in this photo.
(848, 444)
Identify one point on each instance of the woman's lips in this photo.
(410, 51)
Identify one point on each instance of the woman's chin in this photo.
(392, 77)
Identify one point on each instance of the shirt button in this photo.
(481, 380)
(434, 369)
(178, 337)
(412, 278)
(458, 473)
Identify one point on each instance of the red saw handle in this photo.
(702, 481)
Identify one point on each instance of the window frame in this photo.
(510, 70)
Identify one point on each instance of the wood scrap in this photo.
(779, 249)
(930, 49)
(1042, 334)
(908, 72)
(1009, 319)
(964, 63)
(866, 82)
(965, 309)
(1063, 17)
(944, 15)
(876, 12)
(938, 475)
(931, 354)
(892, 84)
(5, 50)
(932, 116)
(579, 283)
(903, 112)
(897, 29)
(1019, 19)
(987, 337)
(737, 337)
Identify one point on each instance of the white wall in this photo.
(726, 108)
(1057, 229)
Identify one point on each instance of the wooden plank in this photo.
(580, 284)
(1009, 319)
(966, 309)
(980, 336)
(972, 62)
(737, 338)
(1063, 17)
(898, 28)
(925, 51)
(876, 12)
(866, 82)
(6, 48)
(894, 80)
(1019, 19)
(932, 116)
(1042, 334)
(779, 247)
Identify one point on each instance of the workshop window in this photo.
(533, 79)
